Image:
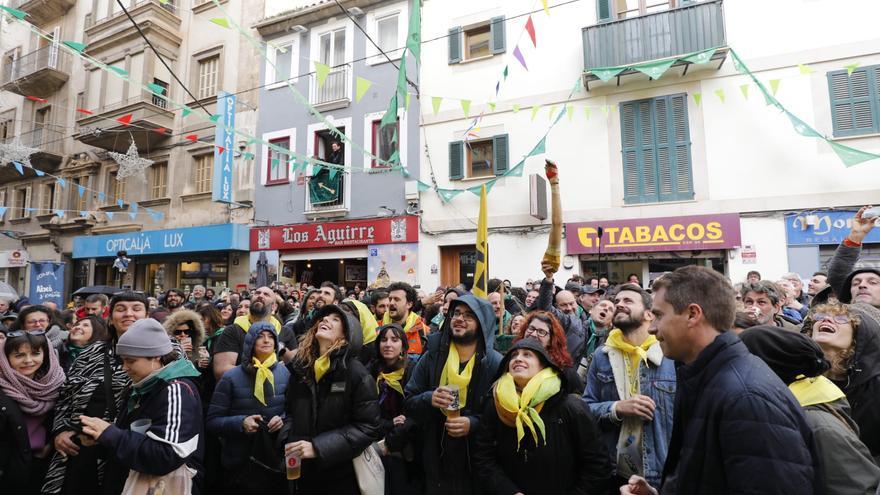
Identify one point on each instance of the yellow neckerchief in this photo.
(322, 364)
(368, 321)
(392, 379)
(812, 391)
(616, 341)
(264, 372)
(244, 322)
(523, 409)
(411, 320)
(451, 376)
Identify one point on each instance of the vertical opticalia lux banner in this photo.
(224, 151)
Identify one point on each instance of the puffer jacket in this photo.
(339, 415)
(737, 428)
(183, 316)
(442, 454)
(234, 400)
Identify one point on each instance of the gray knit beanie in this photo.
(145, 338)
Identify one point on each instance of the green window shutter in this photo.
(603, 10)
(456, 160)
(500, 154)
(854, 104)
(455, 45)
(496, 35)
(674, 149)
(631, 153)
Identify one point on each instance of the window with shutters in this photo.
(47, 197)
(115, 188)
(479, 158)
(477, 41)
(656, 150)
(208, 76)
(626, 9)
(202, 171)
(277, 166)
(75, 201)
(21, 202)
(7, 125)
(855, 101)
(158, 180)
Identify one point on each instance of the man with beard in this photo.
(174, 300)
(460, 357)
(631, 391)
(401, 298)
(565, 311)
(379, 303)
(227, 351)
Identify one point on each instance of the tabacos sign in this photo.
(336, 234)
(688, 233)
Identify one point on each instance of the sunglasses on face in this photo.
(183, 332)
(835, 318)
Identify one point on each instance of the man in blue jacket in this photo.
(737, 428)
(462, 354)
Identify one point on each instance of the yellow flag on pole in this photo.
(481, 275)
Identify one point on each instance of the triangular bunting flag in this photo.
(435, 103)
(535, 109)
(466, 107)
(419, 184)
(390, 116)
(720, 94)
(517, 171)
(120, 203)
(84, 111)
(570, 111)
(698, 98)
(700, 57)
(101, 196)
(132, 215)
(851, 68)
(552, 112)
(220, 21)
(75, 45)
(18, 14)
(447, 194)
(745, 90)
(156, 88)
(83, 213)
(214, 118)
(805, 70)
(221, 149)
(2, 211)
(515, 108)
(39, 172)
(587, 112)
(606, 74)
(530, 27)
(109, 214)
(491, 106)
(406, 101)
(774, 86)
(363, 85)
(121, 72)
(539, 148)
(851, 156)
(18, 167)
(125, 119)
(321, 73)
(59, 213)
(546, 9)
(519, 56)
(80, 190)
(654, 69)
(186, 110)
(192, 137)
(247, 155)
(160, 130)
(37, 99)
(134, 207)
(505, 72)
(478, 190)
(61, 182)
(801, 127)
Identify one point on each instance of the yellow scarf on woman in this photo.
(322, 364)
(812, 391)
(522, 410)
(451, 376)
(392, 379)
(264, 372)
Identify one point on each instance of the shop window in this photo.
(115, 188)
(656, 150)
(477, 41)
(202, 171)
(21, 202)
(158, 180)
(385, 141)
(855, 101)
(478, 158)
(277, 169)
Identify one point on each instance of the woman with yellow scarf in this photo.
(392, 370)
(534, 438)
(332, 414)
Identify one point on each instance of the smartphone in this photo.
(871, 212)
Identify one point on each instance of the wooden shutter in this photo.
(854, 105)
(497, 38)
(630, 151)
(500, 154)
(455, 45)
(672, 148)
(456, 160)
(27, 202)
(603, 10)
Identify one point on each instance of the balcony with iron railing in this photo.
(48, 140)
(158, 20)
(38, 73)
(42, 11)
(148, 112)
(690, 28)
(338, 207)
(336, 90)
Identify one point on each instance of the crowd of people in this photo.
(691, 384)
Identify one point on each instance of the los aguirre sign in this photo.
(336, 234)
(688, 233)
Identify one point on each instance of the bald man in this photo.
(566, 302)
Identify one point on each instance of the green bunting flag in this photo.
(801, 127)
(774, 86)
(606, 109)
(698, 98)
(435, 103)
(156, 89)
(321, 73)
(851, 156)
(247, 155)
(75, 45)
(447, 194)
(515, 108)
(805, 70)
(422, 186)
(363, 85)
(220, 21)
(274, 163)
(186, 110)
(720, 94)
(121, 72)
(390, 116)
(851, 68)
(477, 190)
(401, 76)
(214, 118)
(654, 69)
(700, 57)
(516, 171)
(587, 112)
(535, 109)
(414, 34)
(491, 106)
(744, 88)
(506, 72)
(606, 74)
(406, 101)
(18, 14)
(539, 148)
(466, 107)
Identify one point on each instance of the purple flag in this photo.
(519, 56)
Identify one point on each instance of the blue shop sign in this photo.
(828, 227)
(227, 237)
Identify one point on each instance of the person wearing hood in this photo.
(30, 377)
(851, 282)
(227, 352)
(188, 328)
(332, 414)
(846, 464)
(367, 324)
(535, 438)
(450, 295)
(249, 401)
(463, 357)
(850, 339)
(94, 387)
(163, 398)
(392, 370)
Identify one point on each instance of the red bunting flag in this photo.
(221, 148)
(160, 130)
(530, 27)
(192, 137)
(83, 110)
(36, 99)
(125, 119)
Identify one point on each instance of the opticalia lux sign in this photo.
(336, 234)
(187, 240)
(688, 233)
(822, 227)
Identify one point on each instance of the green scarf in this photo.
(180, 368)
(74, 351)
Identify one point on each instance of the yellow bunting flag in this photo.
(321, 73)
(515, 108)
(698, 97)
(745, 90)
(491, 106)
(606, 109)
(363, 85)
(535, 109)
(774, 86)
(851, 68)
(435, 103)
(570, 111)
(805, 70)
(552, 112)
(220, 21)
(481, 274)
(587, 112)
(406, 101)
(720, 94)
(546, 9)
(466, 107)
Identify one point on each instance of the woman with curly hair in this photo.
(546, 329)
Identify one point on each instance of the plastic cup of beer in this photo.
(203, 353)
(455, 406)
(293, 463)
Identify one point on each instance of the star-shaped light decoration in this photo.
(130, 163)
(16, 152)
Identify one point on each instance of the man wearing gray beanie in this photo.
(159, 429)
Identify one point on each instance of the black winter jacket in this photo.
(15, 447)
(339, 415)
(737, 428)
(446, 460)
(572, 461)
